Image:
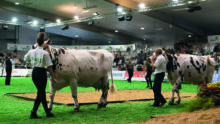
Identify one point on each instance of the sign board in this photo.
(214, 39)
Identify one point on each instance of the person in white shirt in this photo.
(40, 60)
(160, 65)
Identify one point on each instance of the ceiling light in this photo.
(119, 9)
(17, 3)
(42, 29)
(142, 28)
(35, 22)
(85, 11)
(116, 31)
(109, 41)
(14, 19)
(58, 21)
(189, 2)
(189, 35)
(142, 6)
(76, 35)
(76, 17)
(95, 13)
(175, 1)
(5, 27)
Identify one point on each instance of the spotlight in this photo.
(129, 18)
(65, 27)
(121, 18)
(5, 27)
(119, 9)
(14, 19)
(91, 23)
(96, 14)
(116, 31)
(17, 3)
(58, 20)
(142, 28)
(76, 17)
(35, 22)
(142, 6)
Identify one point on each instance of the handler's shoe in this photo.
(49, 114)
(34, 115)
(163, 103)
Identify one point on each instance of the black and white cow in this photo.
(84, 68)
(188, 69)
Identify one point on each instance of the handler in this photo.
(8, 67)
(160, 65)
(39, 60)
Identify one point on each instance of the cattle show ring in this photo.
(109, 62)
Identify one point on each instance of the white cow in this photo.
(84, 68)
(188, 69)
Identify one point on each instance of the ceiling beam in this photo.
(52, 17)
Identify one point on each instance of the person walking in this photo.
(39, 60)
(160, 65)
(130, 70)
(148, 68)
(8, 68)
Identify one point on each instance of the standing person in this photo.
(8, 64)
(130, 70)
(160, 65)
(39, 60)
(148, 68)
(216, 55)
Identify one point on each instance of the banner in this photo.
(214, 39)
(18, 72)
(24, 47)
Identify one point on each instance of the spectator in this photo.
(8, 67)
(148, 68)
(130, 70)
(116, 59)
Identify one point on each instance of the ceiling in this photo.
(185, 22)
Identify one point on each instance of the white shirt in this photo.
(38, 58)
(160, 64)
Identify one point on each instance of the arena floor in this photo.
(14, 110)
(94, 96)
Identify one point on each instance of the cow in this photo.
(84, 68)
(189, 69)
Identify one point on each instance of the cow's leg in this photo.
(103, 100)
(174, 89)
(52, 94)
(178, 96)
(73, 86)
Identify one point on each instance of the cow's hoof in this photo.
(171, 103)
(99, 106)
(76, 110)
(104, 106)
(178, 102)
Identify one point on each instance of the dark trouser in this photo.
(130, 74)
(148, 79)
(158, 97)
(8, 76)
(39, 77)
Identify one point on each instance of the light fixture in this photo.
(91, 23)
(85, 11)
(96, 14)
(119, 9)
(142, 6)
(42, 29)
(129, 17)
(58, 21)
(14, 19)
(142, 28)
(65, 27)
(189, 35)
(175, 1)
(109, 41)
(189, 2)
(35, 22)
(116, 31)
(5, 27)
(17, 3)
(76, 35)
(121, 18)
(76, 17)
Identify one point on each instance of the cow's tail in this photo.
(113, 88)
(209, 61)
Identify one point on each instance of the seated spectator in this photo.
(139, 67)
(123, 68)
(139, 60)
